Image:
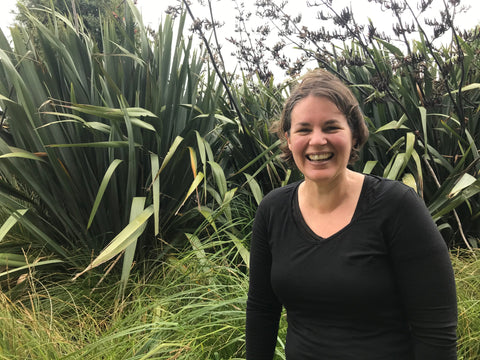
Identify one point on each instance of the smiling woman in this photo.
(356, 260)
(337, 95)
(320, 139)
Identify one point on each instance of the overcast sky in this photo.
(153, 10)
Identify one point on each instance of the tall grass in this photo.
(467, 273)
(185, 309)
(189, 307)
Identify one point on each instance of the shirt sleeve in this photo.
(423, 270)
(263, 307)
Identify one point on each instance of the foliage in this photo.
(116, 150)
(252, 149)
(92, 132)
(252, 105)
(89, 12)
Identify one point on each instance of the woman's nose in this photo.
(318, 138)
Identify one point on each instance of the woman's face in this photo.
(320, 139)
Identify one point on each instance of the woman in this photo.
(356, 260)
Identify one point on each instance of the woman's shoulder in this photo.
(383, 184)
(387, 190)
(280, 195)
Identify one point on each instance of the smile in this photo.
(320, 157)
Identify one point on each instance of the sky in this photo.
(153, 11)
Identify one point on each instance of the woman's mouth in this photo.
(320, 157)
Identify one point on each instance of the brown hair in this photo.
(321, 83)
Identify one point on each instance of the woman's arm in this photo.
(424, 274)
(263, 307)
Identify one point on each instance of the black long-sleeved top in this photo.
(381, 288)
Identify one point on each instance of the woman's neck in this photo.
(326, 197)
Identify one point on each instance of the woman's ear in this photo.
(287, 136)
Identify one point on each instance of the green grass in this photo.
(189, 307)
(467, 274)
(184, 309)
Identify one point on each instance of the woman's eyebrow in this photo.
(332, 121)
(327, 122)
(303, 123)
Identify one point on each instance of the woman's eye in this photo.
(331, 128)
(303, 130)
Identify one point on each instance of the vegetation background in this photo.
(132, 161)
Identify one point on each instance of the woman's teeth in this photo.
(319, 157)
